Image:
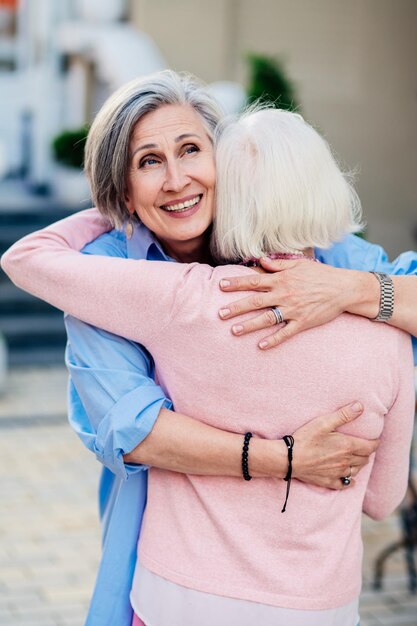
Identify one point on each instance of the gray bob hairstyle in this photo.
(279, 189)
(107, 147)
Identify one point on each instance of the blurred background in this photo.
(349, 67)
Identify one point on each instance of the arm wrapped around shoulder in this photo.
(22, 261)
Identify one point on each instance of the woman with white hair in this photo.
(224, 550)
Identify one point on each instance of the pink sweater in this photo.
(224, 535)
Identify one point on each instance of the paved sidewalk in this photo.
(35, 392)
(394, 605)
(49, 534)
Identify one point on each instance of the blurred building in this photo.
(58, 63)
(353, 64)
(59, 60)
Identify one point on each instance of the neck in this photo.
(197, 250)
(307, 253)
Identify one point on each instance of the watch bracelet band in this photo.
(386, 301)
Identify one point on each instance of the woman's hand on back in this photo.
(322, 455)
(308, 294)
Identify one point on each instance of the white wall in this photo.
(11, 108)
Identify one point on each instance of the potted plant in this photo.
(269, 83)
(70, 184)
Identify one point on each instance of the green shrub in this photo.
(68, 147)
(268, 83)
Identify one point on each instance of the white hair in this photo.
(279, 188)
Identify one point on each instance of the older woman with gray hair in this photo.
(164, 175)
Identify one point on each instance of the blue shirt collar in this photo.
(144, 245)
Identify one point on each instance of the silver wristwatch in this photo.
(386, 301)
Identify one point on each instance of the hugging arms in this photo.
(120, 439)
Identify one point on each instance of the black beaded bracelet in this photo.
(245, 457)
(289, 442)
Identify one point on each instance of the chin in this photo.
(192, 231)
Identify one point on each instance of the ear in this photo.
(129, 203)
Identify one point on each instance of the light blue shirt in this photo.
(114, 403)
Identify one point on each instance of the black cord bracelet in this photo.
(289, 442)
(245, 457)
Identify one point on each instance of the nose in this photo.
(176, 177)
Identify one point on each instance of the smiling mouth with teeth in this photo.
(182, 206)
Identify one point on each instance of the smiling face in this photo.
(171, 179)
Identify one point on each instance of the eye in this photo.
(190, 148)
(148, 161)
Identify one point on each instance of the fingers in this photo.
(358, 462)
(351, 471)
(249, 282)
(337, 484)
(342, 416)
(284, 332)
(331, 483)
(358, 448)
(364, 447)
(264, 320)
(347, 477)
(258, 281)
(246, 305)
(348, 413)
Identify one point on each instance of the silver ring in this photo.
(278, 315)
(346, 479)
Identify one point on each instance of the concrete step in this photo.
(33, 330)
(43, 355)
(15, 225)
(9, 233)
(14, 301)
(28, 217)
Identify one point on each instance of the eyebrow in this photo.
(153, 146)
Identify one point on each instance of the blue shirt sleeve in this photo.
(113, 399)
(356, 253)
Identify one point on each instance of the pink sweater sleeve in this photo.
(103, 291)
(389, 477)
(74, 232)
